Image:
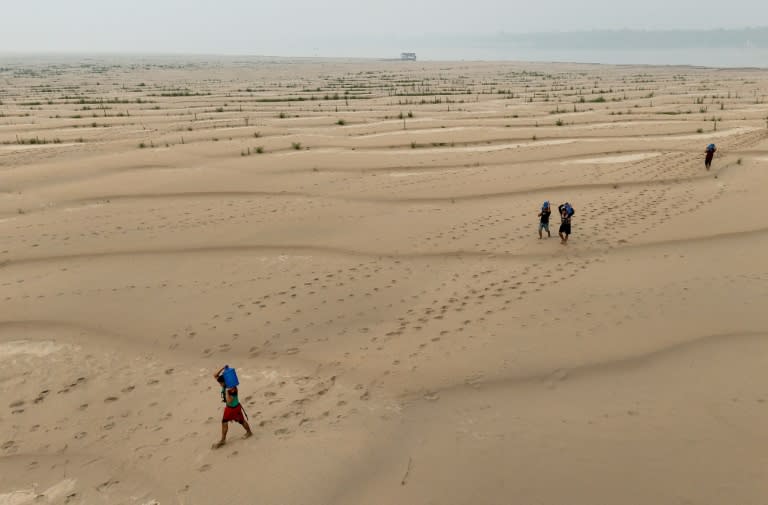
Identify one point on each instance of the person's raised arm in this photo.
(216, 375)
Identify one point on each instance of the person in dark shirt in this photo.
(710, 154)
(565, 223)
(544, 219)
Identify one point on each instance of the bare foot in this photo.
(218, 444)
(248, 435)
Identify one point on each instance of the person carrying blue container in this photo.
(233, 410)
(710, 154)
(544, 214)
(566, 213)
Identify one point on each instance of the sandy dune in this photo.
(359, 240)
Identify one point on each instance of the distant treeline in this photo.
(628, 39)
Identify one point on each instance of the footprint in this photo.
(105, 485)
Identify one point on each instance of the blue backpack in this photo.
(711, 147)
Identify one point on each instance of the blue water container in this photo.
(230, 377)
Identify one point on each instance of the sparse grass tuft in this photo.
(341, 122)
(259, 150)
(35, 141)
(700, 130)
(296, 145)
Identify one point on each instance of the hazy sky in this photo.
(323, 27)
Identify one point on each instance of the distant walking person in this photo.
(544, 219)
(710, 154)
(233, 411)
(566, 213)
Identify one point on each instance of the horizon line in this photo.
(93, 54)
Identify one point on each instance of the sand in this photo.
(370, 265)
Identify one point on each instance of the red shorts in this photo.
(233, 414)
